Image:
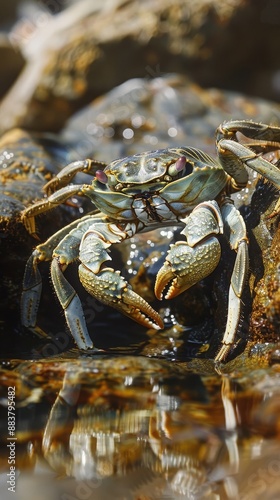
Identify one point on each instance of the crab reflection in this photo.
(133, 427)
(111, 421)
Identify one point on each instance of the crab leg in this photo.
(71, 305)
(234, 156)
(93, 235)
(28, 215)
(257, 131)
(108, 285)
(65, 176)
(32, 281)
(190, 261)
(31, 294)
(235, 232)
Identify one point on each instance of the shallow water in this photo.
(138, 428)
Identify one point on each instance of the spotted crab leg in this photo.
(190, 261)
(107, 285)
(89, 240)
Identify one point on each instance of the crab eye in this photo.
(101, 176)
(178, 166)
(180, 163)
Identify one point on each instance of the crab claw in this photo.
(185, 266)
(110, 287)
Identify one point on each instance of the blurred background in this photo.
(60, 54)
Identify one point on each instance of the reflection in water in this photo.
(138, 428)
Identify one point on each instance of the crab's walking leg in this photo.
(234, 156)
(65, 176)
(71, 305)
(108, 285)
(31, 294)
(66, 242)
(269, 134)
(235, 232)
(28, 215)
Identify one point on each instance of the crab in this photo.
(176, 186)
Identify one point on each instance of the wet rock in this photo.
(26, 162)
(170, 110)
(265, 265)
